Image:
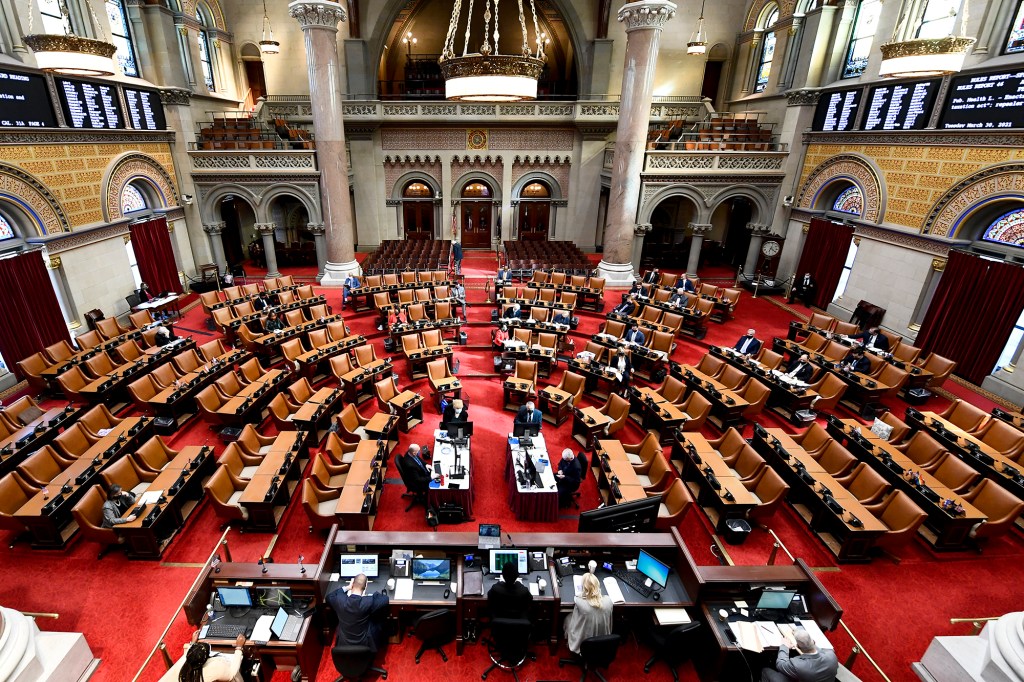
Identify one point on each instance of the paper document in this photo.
(747, 636)
(403, 589)
(667, 616)
(534, 590)
(769, 633)
(261, 631)
(577, 585)
(612, 586)
(151, 496)
(820, 640)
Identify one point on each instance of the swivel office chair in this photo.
(435, 629)
(418, 496)
(510, 646)
(595, 653)
(353, 662)
(672, 647)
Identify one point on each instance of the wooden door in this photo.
(418, 218)
(257, 82)
(476, 224)
(534, 218)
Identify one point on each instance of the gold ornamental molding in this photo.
(924, 56)
(55, 263)
(69, 43)
(938, 264)
(495, 64)
(921, 47)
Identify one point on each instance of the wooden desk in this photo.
(555, 405)
(616, 480)
(316, 413)
(358, 384)
(601, 380)
(408, 407)
(517, 392)
(587, 425)
(726, 406)
(712, 482)
(35, 435)
(270, 489)
(419, 358)
(786, 399)
(382, 427)
(652, 411)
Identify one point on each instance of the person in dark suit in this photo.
(856, 361)
(529, 414)
(509, 598)
(873, 338)
(273, 323)
(799, 660)
(568, 477)
(686, 284)
(679, 298)
(627, 307)
(360, 616)
(504, 276)
(416, 470)
(634, 335)
(652, 276)
(804, 289)
(261, 302)
(143, 293)
(748, 344)
(456, 412)
(621, 362)
(513, 311)
(561, 317)
(801, 369)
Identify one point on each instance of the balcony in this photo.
(692, 162)
(277, 162)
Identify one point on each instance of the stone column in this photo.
(60, 287)
(266, 230)
(644, 21)
(819, 49)
(842, 40)
(698, 230)
(750, 63)
(319, 21)
(757, 235)
(320, 241)
(214, 231)
(640, 230)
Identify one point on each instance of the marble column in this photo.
(644, 21)
(320, 241)
(214, 231)
(837, 59)
(319, 21)
(749, 64)
(698, 230)
(757, 234)
(640, 231)
(266, 230)
(60, 287)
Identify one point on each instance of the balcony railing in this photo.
(254, 161)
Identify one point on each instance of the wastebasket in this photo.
(735, 531)
(918, 396)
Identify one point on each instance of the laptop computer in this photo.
(286, 626)
(490, 536)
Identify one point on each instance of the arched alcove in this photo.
(665, 246)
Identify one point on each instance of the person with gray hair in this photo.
(801, 661)
(568, 477)
(528, 414)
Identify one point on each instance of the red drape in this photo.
(824, 254)
(29, 311)
(974, 309)
(153, 253)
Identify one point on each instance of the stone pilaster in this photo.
(266, 231)
(698, 230)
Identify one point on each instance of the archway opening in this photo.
(729, 238)
(252, 62)
(293, 242)
(418, 210)
(239, 219)
(667, 245)
(840, 196)
(534, 214)
(477, 209)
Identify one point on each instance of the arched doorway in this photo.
(239, 219)
(294, 243)
(476, 210)
(252, 60)
(534, 215)
(666, 246)
(418, 210)
(729, 223)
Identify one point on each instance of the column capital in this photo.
(315, 228)
(317, 13)
(758, 229)
(54, 263)
(179, 96)
(642, 229)
(265, 228)
(646, 14)
(802, 98)
(214, 228)
(700, 229)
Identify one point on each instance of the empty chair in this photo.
(596, 653)
(899, 428)
(1000, 506)
(770, 490)
(940, 368)
(710, 365)
(352, 662)
(729, 444)
(282, 412)
(351, 424)
(617, 408)
(830, 389)
(88, 513)
(434, 629)
(572, 384)
(756, 394)
(864, 483)
(697, 408)
(924, 450)
(748, 464)
(154, 455)
(769, 358)
(43, 467)
(658, 477)
(109, 328)
(127, 474)
(98, 419)
(320, 505)
(814, 440)
(240, 466)
(836, 460)
(252, 442)
(71, 383)
(1003, 438)
(732, 378)
(32, 368)
(59, 352)
(224, 494)
(901, 518)
(642, 454)
(509, 646)
(75, 441)
(675, 502)
(337, 452)
(673, 647)
(954, 473)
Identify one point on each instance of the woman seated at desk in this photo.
(200, 665)
(592, 615)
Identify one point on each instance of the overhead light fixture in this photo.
(70, 54)
(699, 40)
(488, 75)
(925, 57)
(268, 45)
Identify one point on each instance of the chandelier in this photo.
(488, 75)
(268, 45)
(70, 54)
(925, 57)
(699, 40)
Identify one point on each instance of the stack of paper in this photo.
(612, 586)
(403, 589)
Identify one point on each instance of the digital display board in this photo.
(837, 110)
(145, 112)
(992, 100)
(89, 105)
(900, 106)
(24, 101)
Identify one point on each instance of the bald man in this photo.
(360, 616)
(800, 661)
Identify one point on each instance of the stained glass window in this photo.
(122, 38)
(849, 200)
(764, 67)
(1015, 41)
(6, 231)
(861, 37)
(132, 199)
(1007, 228)
(205, 57)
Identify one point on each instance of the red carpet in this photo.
(123, 606)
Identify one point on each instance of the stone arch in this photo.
(546, 178)
(35, 200)
(947, 215)
(688, 191)
(472, 175)
(211, 200)
(216, 13)
(418, 176)
(759, 11)
(133, 166)
(853, 168)
(762, 205)
(262, 207)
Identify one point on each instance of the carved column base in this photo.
(616, 274)
(335, 273)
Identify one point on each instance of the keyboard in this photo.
(224, 630)
(633, 580)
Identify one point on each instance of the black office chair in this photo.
(673, 647)
(418, 496)
(595, 653)
(435, 629)
(353, 662)
(510, 645)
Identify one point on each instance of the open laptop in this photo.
(490, 536)
(286, 626)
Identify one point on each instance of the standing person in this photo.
(456, 247)
(804, 289)
(808, 665)
(568, 477)
(198, 665)
(360, 616)
(592, 615)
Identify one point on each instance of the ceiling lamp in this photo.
(488, 75)
(268, 45)
(699, 40)
(70, 54)
(925, 57)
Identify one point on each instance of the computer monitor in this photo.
(638, 516)
(431, 569)
(273, 596)
(353, 564)
(521, 430)
(458, 430)
(775, 600)
(652, 568)
(500, 557)
(234, 596)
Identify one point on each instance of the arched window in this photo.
(861, 37)
(938, 19)
(205, 51)
(6, 229)
(1015, 41)
(764, 64)
(850, 200)
(132, 200)
(55, 18)
(121, 36)
(1007, 228)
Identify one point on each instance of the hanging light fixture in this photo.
(70, 54)
(925, 57)
(699, 40)
(488, 75)
(268, 45)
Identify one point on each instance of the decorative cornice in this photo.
(723, 179)
(316, 229)
(214, 228)
(652, 14)
(174, 213)
(179, 96)
(802, 98)
(212, 179)
(83, 136)
(59, 243)
(759, 229)
(917, 138)
(317, 14)
(700, 229)
(888, 235)
(640, 229)
(265, 228)
(1001, 179)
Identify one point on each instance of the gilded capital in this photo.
(54, 263)
(646, 14)
(214, 228)
(315, 228)
(317, 13)
(938, 264)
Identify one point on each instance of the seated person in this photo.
(504, 276)
(808, 665)
(273, 323)
(749, 344)
(801, 369)
(627, 307)
(360, 616)
(394, 317)
(118, 502)
(509, 598)
(164, 336)
(561, 317)
(197, 665)
(261, 302)
(455, 413)
(804, 289)
(143, 293)
(873, 338)
(568, 477)
(528, 414)
(459, 294)
(856, 361)
(679, 298)
(652, 276)
(499, 336)
(592, 615)
(634, 335)
(351, 282)
(686, 284)
(513, 311)
(419, 474)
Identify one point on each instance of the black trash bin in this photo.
(735, 531)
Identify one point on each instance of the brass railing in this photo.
(976, 623)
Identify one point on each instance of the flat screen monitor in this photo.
(638, 516)
(520, 430)
(986, 100)
(89, 104)
(489, 535)
(500, 557)
(652, 568)
(837, 110)
(354, 564)
(458, 430)
(25, 101)
(900, 106)
(273, 596)
(431, 569)
(776, 600)
(234, 596)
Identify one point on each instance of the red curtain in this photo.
(824, 255)
(29, 309)
(974, 309)
(153, 253)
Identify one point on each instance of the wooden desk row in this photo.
(714, 485)
(362, 297)
(34, 435)
(727, 406)
(786, 399)
(178, 400)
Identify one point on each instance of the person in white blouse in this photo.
(199, 664)
(592, 615)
